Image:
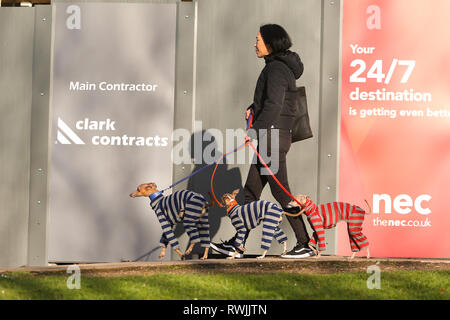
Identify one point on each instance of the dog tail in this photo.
(207, 205)
(210, 204)
(370, 209)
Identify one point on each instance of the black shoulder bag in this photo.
(302, 128)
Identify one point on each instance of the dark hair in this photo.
(275, 37)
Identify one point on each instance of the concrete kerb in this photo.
(327, 264)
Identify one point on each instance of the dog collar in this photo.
(155, 195)
(307, 206)
(231, 205)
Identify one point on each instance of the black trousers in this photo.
(256, 182)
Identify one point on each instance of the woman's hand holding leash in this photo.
(248, 113)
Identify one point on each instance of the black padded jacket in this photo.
(275, 93)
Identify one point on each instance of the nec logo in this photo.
(402, 203)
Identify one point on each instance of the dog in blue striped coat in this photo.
(184, 206)
(248, 216)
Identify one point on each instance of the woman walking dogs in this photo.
(274, 107)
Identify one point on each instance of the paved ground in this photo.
(327, 264)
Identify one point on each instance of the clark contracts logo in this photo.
(66, 135)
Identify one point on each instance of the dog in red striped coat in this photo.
(326, 216)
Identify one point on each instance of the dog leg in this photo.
(205, 255)
(317, 253)
(236, 253)
(368, 253)
(353, 256)
(263, 255)
(284, 248)
(189, 250)
(179, 253)
(162, 253)
(233, 256)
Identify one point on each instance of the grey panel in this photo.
(91, 216)
(184, 72)
(16, 62)
(329, 112)
(227, 70)
(40, 128)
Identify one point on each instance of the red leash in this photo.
(248, 142)
(217, 164)
(275, 178)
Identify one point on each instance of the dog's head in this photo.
(300, 198)
(144, 190)
(227, 198)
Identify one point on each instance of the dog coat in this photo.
(248, 216)
(326, 216)
(168, 209)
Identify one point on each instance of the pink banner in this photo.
(395, 125)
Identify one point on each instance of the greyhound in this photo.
(182, 206)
